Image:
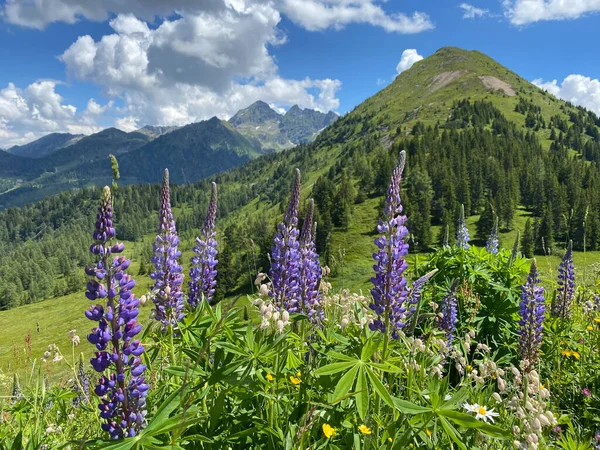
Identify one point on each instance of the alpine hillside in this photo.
(476, 134)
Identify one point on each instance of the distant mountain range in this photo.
(62, 161)
(276, 131)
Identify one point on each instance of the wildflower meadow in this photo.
(467, 350)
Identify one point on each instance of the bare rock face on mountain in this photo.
(274, 131)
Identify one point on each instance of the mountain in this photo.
(45, 145)
(274, 131)
(476, 134)
(153, 131)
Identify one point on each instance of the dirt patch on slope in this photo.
(444, 79)
(497, 85)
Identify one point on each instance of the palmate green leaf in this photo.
(330, 369)
(362, 394)
(406, 407)
(369, 349)
(341, 356)
(345, 384)
(452, 433)
(468, 421)
(380, 388)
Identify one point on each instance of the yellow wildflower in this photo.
(295, 380)
(428, 432)
(269, 376)
(389, 439)
(576, 355)
(597, 319)
(566, 353)
(298, 374)
(469, 368)
(364, 429)
(590, 328)
(328, 430)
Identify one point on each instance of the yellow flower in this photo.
(389, 439)
(364, 429)
(328, 430)
(597, 319)
(566, 353)
(469, 368)
(269, 376)
(298, 374)
(576, 355)
(428, 432)
(295, 380)
(590, 328)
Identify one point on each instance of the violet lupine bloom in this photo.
(81, 385)
(310, 266)
(448, 311)
(491, 246)
(532, 310)
(122, 387)
(417, 286)
(462, 232)
(389, 285)
(285, 255)
(561, 306)
(168, 277)
(203, 273)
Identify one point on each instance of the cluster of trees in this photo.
(477, 158)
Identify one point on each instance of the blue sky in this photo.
(79, 66)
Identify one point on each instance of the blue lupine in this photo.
(389, 285)
(81, 385)
(122, 387)
(491, 246)
(462, 232)
(203, 274)
(310, 266)
(168, 277)
(415, 291)
(448, 311)
(561, 306)
(285, 255)
(532, 310)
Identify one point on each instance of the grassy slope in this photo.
(402, 103)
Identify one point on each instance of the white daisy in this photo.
(471, 408)
(486, 414)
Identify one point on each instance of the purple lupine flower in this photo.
(561, 306)
(168, 277)
(448, 311)
(122, 387)
(389, 285)
(532, 310)
(310, 266)
(203, 273)
(491, 246)
(81, 385)
(285, 255)
(462, 232)
(417, 286)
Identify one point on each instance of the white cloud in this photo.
(194, 67)
(127, 124)
(471, 12)
(322, 14)
(523, 12)
(409, 57)
(577, 89)
(30, 113)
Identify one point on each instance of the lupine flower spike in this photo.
(491, 246)
(310, 266)
(203, 273)
(81, 385)
(561, 306)
(462, 233)
(448, 311)
(389, 285)
(168, 277)
(16, 391)
(285, 258)
(532, 311)
(122, 388)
